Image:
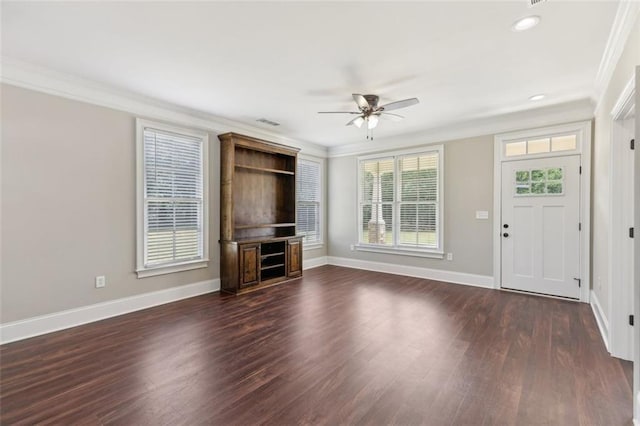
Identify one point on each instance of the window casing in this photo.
(309, 201)
(399, 202)
(172, 199)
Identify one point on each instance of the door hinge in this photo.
(579, 282)
(631, 232)
(579, 226)
(580, 170)
(630, 319)
(632, 144)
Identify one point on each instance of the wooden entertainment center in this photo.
(258, 243)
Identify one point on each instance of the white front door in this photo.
(540, 225)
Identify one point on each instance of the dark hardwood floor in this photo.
(340, 346)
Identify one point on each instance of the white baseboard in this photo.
(315, 262)
(18, 330)
(601, 319)
(484, 281)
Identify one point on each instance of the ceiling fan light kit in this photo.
(370, 112)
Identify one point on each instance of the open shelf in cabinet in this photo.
(264, 169)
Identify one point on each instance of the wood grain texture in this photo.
(257, 205)
(338, 346)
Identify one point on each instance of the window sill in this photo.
(170, 269)
(312, 246)
(433, 254)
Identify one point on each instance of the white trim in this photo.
(141, 225)
(173, 268)
(19, 330)
(474, 280)
(40, 79)
(577, 110)
(625, 104)
(315, 262)
(623, 23)
(621, 217)
(601, 319)
(434, 254)
(583, 132)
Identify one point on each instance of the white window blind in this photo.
(173, 198)
(309, 194)
(377, 197)
(418, 199)
(399, 202)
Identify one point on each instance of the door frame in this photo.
(620, 335)
(582, 129)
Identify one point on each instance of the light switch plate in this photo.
(482, 214)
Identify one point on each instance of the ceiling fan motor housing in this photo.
(372, 100)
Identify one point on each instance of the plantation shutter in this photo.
(418, 200)
(173, 197)
(376, 200)
(308, 191)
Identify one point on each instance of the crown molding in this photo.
(568, 112)
(21, 74)
(626, 15)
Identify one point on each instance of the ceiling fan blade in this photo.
(338, 112)
(391, 117)
(399, 104)
(361, 101)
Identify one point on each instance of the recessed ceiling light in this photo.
(526, 23)
(536, 97)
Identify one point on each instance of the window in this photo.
(400, 208)
(308, 205)
(541, 145)
(533, 182)
(172, 199)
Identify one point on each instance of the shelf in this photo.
(277, 265)
(264, 256)
(266, 225)
(264, 169)
(259, 239)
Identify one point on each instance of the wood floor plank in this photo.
(339, 346)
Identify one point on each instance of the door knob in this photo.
(505, 226)
(506, 234)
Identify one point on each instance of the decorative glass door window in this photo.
(536, 182)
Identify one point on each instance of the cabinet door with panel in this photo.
(294, 257)
(249, 264)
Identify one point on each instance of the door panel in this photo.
(294, 258)
(523, 245)
(249, 264)
(541, 207)
(553, 242)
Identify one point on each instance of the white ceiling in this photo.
(285, 61)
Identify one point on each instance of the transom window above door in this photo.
(541, 145)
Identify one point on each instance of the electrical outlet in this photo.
(101, 281)
(352, 247)
(449, 256)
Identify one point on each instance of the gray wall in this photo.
(68, 206)
(468, 186)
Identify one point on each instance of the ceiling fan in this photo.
(370, 112)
